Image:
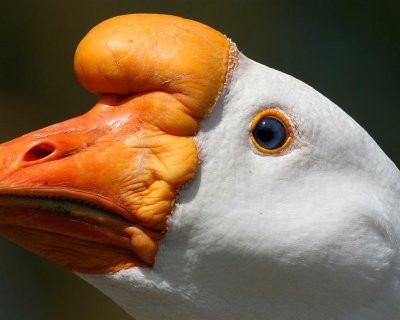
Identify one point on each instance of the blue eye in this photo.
(270, 133)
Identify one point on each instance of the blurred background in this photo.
(347, 50)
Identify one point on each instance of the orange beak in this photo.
(94, 193)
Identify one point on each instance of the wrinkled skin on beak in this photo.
(121, 154)
(94, 193)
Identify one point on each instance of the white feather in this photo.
(312, 233)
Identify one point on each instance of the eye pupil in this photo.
(270, 133)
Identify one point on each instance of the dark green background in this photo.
(347, 50)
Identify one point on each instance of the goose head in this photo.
(204, 185)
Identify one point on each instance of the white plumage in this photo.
(311, 233)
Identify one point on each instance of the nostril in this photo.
(40, 151)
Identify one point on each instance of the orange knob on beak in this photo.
(94, 193)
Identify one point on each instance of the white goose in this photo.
(292, 212)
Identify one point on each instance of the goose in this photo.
(204, 185)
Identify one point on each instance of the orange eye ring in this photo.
(282, 122)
